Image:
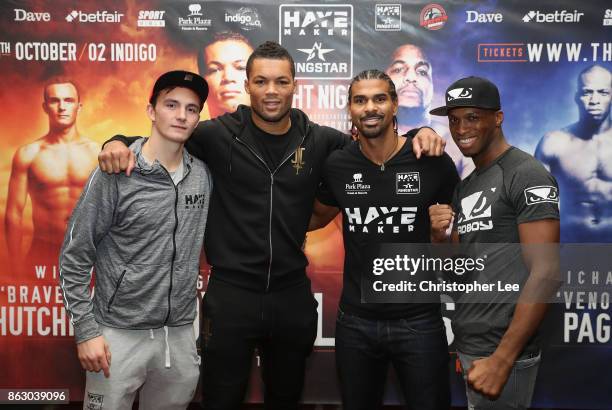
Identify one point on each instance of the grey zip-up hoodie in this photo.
(143, 236)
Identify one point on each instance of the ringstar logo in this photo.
(459, 94)
(433, 17)
(94, 17)
(539, 194)
(407, 183)
(246, 17)
(317, 50)
(557, 16)
(476, 206)
(194, 21)
(151, 18)
(388, 17)
(380, 220)
(310, 29)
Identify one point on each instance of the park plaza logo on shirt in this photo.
(381, 219)
(475, 212)
(357, 186)
(543, 193)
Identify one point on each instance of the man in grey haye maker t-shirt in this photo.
(509, 198)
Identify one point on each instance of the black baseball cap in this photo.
(470, 92)
(180, 78)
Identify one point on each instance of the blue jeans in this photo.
(518, 389)
(417, 349)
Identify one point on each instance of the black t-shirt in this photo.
(273, 148)
(402, 193)
(490, 204)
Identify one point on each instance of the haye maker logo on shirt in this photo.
(381, 219)
(194, 201)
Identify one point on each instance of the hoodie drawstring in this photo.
(167, 347)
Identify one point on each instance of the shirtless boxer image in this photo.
(51, 171)
(580, 157)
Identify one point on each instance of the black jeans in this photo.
(416, 348)
(281, 324)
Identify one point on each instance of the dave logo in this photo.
(194, 201)
(539, 194)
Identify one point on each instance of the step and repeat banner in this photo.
(72, 74)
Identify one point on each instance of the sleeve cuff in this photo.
(86, 329)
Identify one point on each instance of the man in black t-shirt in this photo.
(509, 198)
(384, 193)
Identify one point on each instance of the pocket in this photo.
(528, 362)
(423, 326)
(114, 294)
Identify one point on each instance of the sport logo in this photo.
(95, 401)
(407, 183)
(311, 29)
(433, 17)
(246, 17)
(392, 219)
(607, 20)
(151, 18)
(459, 94)
(539, 194)
(388, 17)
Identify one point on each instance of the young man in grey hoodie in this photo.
(142, 235)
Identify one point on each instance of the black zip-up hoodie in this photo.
(258, 216)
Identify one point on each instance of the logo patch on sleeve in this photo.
(543, 193)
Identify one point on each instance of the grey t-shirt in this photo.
(489, 205)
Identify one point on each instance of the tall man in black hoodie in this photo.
(266, 162)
